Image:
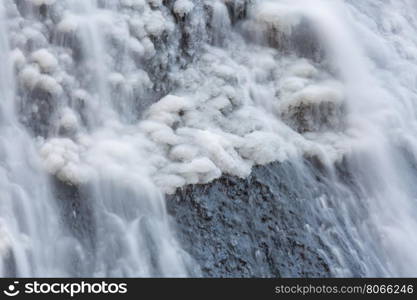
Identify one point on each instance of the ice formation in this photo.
(183, 7)
(231, 109)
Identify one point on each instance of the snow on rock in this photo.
(62, 158)
(156, 24)
(30, 76)
(68, 24)
(183, 7)
(223, 112)
(46, 61)
(68, 120)
(49, 84)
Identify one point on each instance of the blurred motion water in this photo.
(106, 106)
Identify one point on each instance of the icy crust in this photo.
(209, 127)
(282, 16)
(225, 112)
(183, 7)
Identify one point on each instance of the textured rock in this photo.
(271, 224)
(262, 226)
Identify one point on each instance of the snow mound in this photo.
(183, 7)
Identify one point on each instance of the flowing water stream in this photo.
(108, 105)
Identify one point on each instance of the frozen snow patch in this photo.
(183, 7)
(47, 61)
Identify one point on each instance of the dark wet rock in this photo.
(238, 9)
(77, 211)
(39, 120)
(302, 39)
(315, 117)
(267, 225)
(262, 226)
(9, 263)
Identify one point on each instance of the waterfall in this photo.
(107, 106)
(29, 218)
(129, 232)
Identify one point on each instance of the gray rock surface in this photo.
(271, 224)
(262, 226)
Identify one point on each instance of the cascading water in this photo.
(107, 105)
(129, 229)
(28, 217)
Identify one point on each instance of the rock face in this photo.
(284, 220)
(261, 226)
